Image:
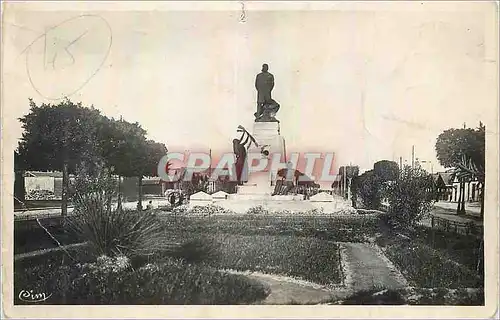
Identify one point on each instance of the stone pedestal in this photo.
(260, 184)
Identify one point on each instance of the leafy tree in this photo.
(386, 170)
(457, 147)
(410, 197)
(60, 137)
(369, 189)
(351, 173)
(19, 187)
(148, 159)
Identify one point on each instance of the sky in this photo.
(366, 84)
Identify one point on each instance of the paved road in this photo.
(54, 212)
(473, 208)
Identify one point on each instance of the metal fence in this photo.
(463, 228)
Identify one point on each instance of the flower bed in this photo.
(354, 228)
(113, 281)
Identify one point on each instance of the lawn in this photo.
(308, 259)
(431, 258)
(356, 228)
(171, 281)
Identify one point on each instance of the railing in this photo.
(463, 228)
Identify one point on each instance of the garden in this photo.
(209, 255)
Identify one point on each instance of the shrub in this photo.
(117, 232)
(208, 209)
(198, 250)
(410, 197)
(257, 210)
(180, 209)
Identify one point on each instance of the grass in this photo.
(296, 246)
(32, 239)
(357, 228)
(169, 282)
(308, 259)
(417, 296)
(431, 258)
(429, 268)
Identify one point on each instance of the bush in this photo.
(41, 195)
(410, 197)
(180, 209)
(117, 232)
(198, 250)
(257, 210)
(209, 209)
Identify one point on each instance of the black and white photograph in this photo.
(205, 155)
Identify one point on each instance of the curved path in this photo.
(365, 267)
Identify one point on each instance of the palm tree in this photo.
(467, 170)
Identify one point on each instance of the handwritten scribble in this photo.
(60, 64)
(243, 15)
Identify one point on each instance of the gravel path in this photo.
(365, 267)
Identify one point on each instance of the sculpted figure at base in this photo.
(240, 147)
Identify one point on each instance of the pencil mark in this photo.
(243, 16)
(62, 48)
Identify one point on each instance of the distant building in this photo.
(49, 182)
(448, 188)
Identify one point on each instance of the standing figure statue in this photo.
(266, 106)
(240, 147)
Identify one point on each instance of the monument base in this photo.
(260, 184)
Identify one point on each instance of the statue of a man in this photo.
(264, 83)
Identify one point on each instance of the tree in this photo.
(351, 173)
(123, 147)
(386, 170)
(60, 137)
(369, 189)
(455, 145)
(410, 197)
(149, 158)
(19, 187)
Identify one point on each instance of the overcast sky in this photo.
(366, 85)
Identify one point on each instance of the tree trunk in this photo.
(65, 187)
(482, 199)
(110, 195)
(139, 201)
(461, 199)
(19, 189)
(119, 204)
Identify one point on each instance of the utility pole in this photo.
(345, 181)
(413, 157)
(400, 163)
